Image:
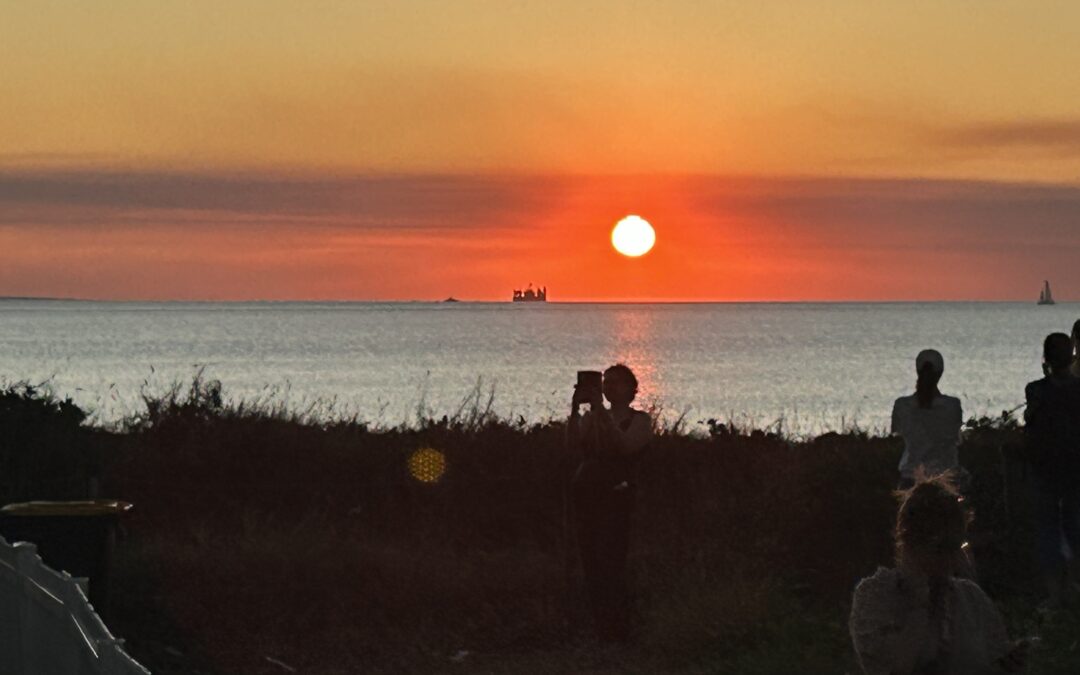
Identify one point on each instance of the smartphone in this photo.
(590, 379)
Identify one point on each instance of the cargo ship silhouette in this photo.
(529, 295)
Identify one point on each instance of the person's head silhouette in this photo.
(1057, 353)
(620, 385)
(929, 366)
(931, 527)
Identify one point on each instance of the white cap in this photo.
(931, 357)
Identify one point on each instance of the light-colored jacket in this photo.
(931, 435)
(895, 632)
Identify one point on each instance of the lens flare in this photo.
(427, 465)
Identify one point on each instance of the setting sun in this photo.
(633, 236)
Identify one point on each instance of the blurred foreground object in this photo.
(77, 537)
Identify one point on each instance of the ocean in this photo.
(805, 368)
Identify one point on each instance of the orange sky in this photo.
(418, 149)
(189, 236)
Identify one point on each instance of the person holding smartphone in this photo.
(609, 441)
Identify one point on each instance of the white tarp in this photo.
(47, 627)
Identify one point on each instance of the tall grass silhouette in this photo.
(265, 535)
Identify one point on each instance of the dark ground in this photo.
(261, 542)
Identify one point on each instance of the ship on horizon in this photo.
(530, 295)
(1045, 297)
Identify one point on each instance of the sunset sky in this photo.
(415, 150)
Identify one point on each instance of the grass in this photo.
(264, 537)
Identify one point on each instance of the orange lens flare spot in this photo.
(427, 465)
(633, 236)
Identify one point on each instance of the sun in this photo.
(633, 236)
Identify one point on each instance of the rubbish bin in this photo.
(75, 536)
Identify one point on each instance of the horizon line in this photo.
(414, 301)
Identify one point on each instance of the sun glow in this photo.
(633, 236)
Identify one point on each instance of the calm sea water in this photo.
(817, 366)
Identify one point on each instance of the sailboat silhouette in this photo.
(1045, 297)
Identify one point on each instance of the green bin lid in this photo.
(89, 507)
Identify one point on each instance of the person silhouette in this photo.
(1075, 368)
(1052, 435)
(929, 423)
(921, 616)
(609, 441)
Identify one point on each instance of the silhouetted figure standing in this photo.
(1075, 369)
(920, 616)
(1052, 434)
(929, 422)
(603, 490)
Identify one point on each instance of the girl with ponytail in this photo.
(929, 423)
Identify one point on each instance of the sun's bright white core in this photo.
(633, 236)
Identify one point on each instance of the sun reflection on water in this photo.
(632, 339)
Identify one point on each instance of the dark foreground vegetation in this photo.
(266, 543)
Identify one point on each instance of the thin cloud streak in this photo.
(913, 206)
(401, 201)
(1055, 137)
